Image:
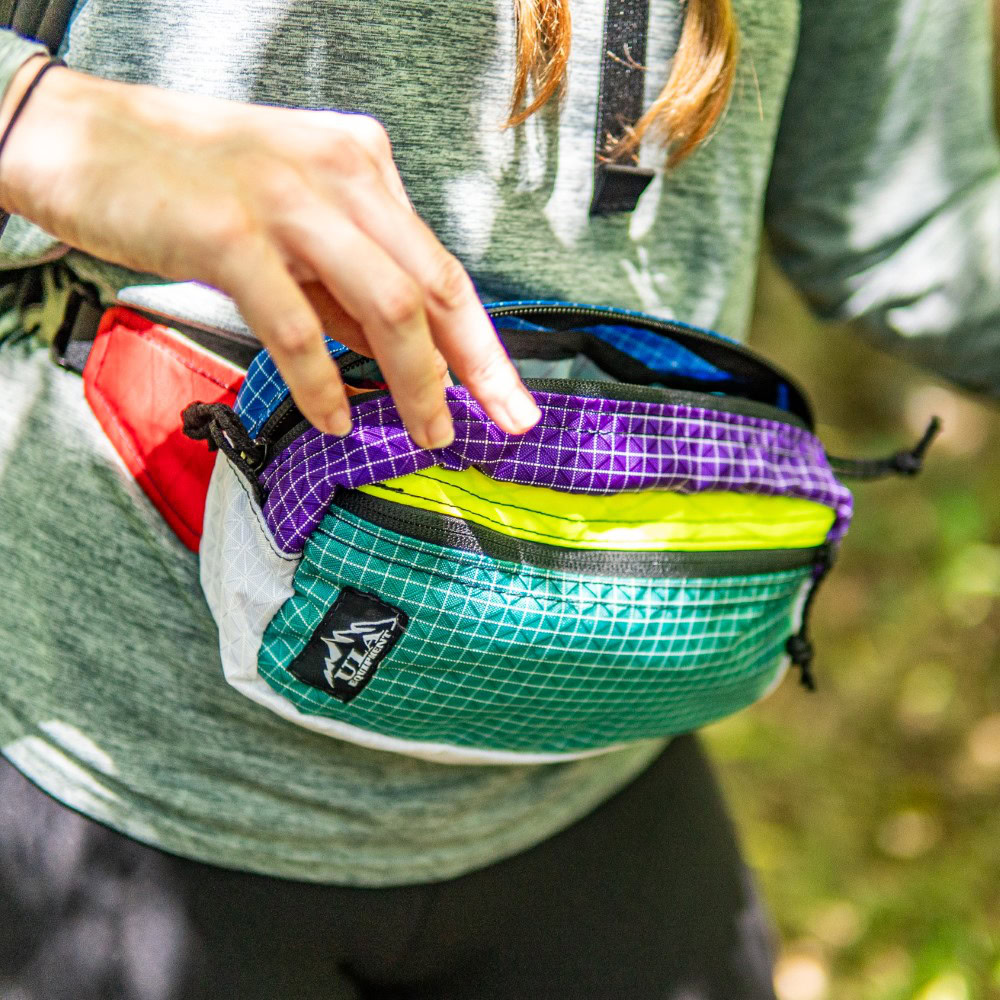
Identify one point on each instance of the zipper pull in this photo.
(799, 646)
(902, 463)
(219, 425)
(800, 649)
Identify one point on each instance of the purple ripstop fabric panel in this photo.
(580, 445)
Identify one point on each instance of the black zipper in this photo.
(655, 394)
(710, 346)
(286, 423)
(678, 330)
(456, 533)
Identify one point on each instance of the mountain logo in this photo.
(347, 646)
(353, 651)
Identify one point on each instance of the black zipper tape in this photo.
(456, 533)
(593, 389)
(753, 390)
(286, 423)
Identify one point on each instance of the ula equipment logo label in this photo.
(345, 650)
(347, 662)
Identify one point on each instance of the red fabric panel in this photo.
(139, 377)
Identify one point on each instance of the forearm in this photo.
(299, 215)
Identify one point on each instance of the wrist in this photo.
(28, 76)
(18, 84)
(39, 148)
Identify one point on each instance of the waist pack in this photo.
(637, 565)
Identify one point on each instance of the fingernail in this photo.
(439, 431)
(523, 411)
(338, 422)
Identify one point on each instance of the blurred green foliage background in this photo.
(871, 809)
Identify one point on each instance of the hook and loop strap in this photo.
(617, 186)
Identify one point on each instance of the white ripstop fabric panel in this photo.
(244, 577)
(246, 580)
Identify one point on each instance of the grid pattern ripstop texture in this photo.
(504, 656)
(581, 445)
(652, 349)
(263, 389)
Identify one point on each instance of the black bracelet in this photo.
(50, 62)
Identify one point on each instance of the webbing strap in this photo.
(75, 337)
(618, 185)
(82, 316)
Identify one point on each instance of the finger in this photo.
(388, 306)
(374, 139)
(342, 327)
(337, 323)
(459, 324)
(279, 313)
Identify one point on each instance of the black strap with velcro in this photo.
(618, 185)
(75, 336)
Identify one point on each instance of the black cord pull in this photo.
(219, 425)
(800, 649)
(902, 463)
(799, 646)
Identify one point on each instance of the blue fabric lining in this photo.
(263, 389)
(653, 349)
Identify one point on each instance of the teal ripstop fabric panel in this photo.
(501, 656)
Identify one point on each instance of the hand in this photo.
(300, 216)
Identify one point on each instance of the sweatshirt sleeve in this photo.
(14, 51)
(883, 205)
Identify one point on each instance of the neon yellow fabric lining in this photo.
(653, 520)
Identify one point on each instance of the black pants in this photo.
(645, 897)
